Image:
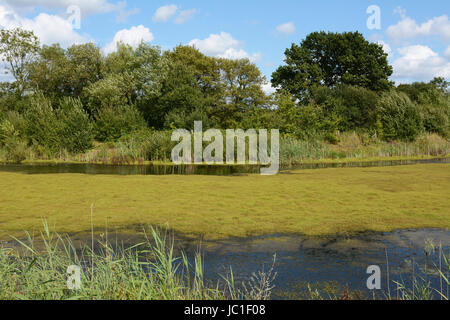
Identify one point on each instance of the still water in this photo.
(338, 261)
(218, 170)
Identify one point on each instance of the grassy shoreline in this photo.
(167, 163)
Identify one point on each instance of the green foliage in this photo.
(75, 128)
(399, 116)
(58, 72)
(306, 122)
(146, 271)
(355, 106)
(330, 59)
(114, 122)
(111, 92)
(64, 128)
(181, 96)
(149, 145)
(18, 48)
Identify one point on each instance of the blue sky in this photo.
(416, 34)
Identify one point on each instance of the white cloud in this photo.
(408, 28)
(447, 53)
(223, 45)
(49, 28)
(420, 63)
(287, 28)
(87, 6)
(164, 13)
(216, 44)
(185, 15)
(133, 37)
(237, 54)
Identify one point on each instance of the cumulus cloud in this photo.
(49, 28)
(164, 13)
(133, 37)
(185, 15)
(286, 28)
(420, 63)
(216, 44)
(408, 28)
(223, 45)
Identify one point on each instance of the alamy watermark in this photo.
(74, 17)
(258, 151)
(374, 281)
(374, 20)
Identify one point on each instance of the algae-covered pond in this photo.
(325, 226)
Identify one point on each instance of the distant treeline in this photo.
(67, 99)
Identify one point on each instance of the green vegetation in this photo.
(77, 104)
(146, 271)
(311, 202)
(37, 270)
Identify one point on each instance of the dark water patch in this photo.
(217, 170)
(327, 263)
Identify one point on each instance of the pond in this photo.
(337, 262)
(218, 170)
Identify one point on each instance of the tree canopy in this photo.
(330, 59)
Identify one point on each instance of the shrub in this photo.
(149, 145)
(12, 125)
(355, 106)
(76, 129)
(436, 119)
(400, 118)
(15, 149)
(67, 127)
(113, 123)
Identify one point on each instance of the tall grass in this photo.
(355, 146)
(151, 270)
(156, 146)
(146, 271)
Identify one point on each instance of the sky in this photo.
(415, 34)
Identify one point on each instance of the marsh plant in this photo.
(149, 270)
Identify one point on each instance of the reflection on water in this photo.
(218, 170)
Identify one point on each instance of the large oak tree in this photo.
(330, 59)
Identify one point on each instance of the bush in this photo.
(399, 117)
(76, 129)
(149, 145)
(15, 149)
(66, 128)
(436, 119)
(355, 106)
(113, 123)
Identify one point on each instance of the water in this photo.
(342, 260)
(218, 170)
(318, 261)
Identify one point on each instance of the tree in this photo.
(205, 70)
(48, 70)
(331, 59)
(18, 48)
(242, 83)
(65, 73)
